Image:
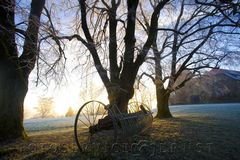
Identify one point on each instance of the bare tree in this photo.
(226, 7)
(70, 112)
(45, 107)
(14, 67)
(21, 32)
(189, 43)
(113, 23)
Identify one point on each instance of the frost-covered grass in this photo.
(225, 111)
(51, 124)
(43, 124)
(197, 132)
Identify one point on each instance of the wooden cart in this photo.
(95, 118)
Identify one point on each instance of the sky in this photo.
(71, 92)
(75, 90)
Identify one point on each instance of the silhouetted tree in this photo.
(45, 107)
(14, 67)
(113, 23)
(70, 112)
(189, 43)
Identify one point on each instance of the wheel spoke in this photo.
(83, 122)
(87, 118)
(93, 106)
(96, 113)
(88, 113)
(104, 113)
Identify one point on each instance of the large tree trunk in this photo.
(120, 97)
(13, 89)
(14, 70)
(162, 93)
(121, 93)
(119, 100)
(13, 85)
(162, 104)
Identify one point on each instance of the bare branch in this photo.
(152, 33)
(91, 45)
(28, 57)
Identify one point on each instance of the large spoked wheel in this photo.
(88, 115)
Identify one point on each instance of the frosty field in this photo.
(204, 131)
(229, 111)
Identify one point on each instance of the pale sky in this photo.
(69, 93)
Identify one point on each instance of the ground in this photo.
(195, 132)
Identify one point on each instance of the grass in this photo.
(183, 137)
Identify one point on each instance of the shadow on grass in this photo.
(182, 137)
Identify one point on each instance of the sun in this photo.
(64, 101)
